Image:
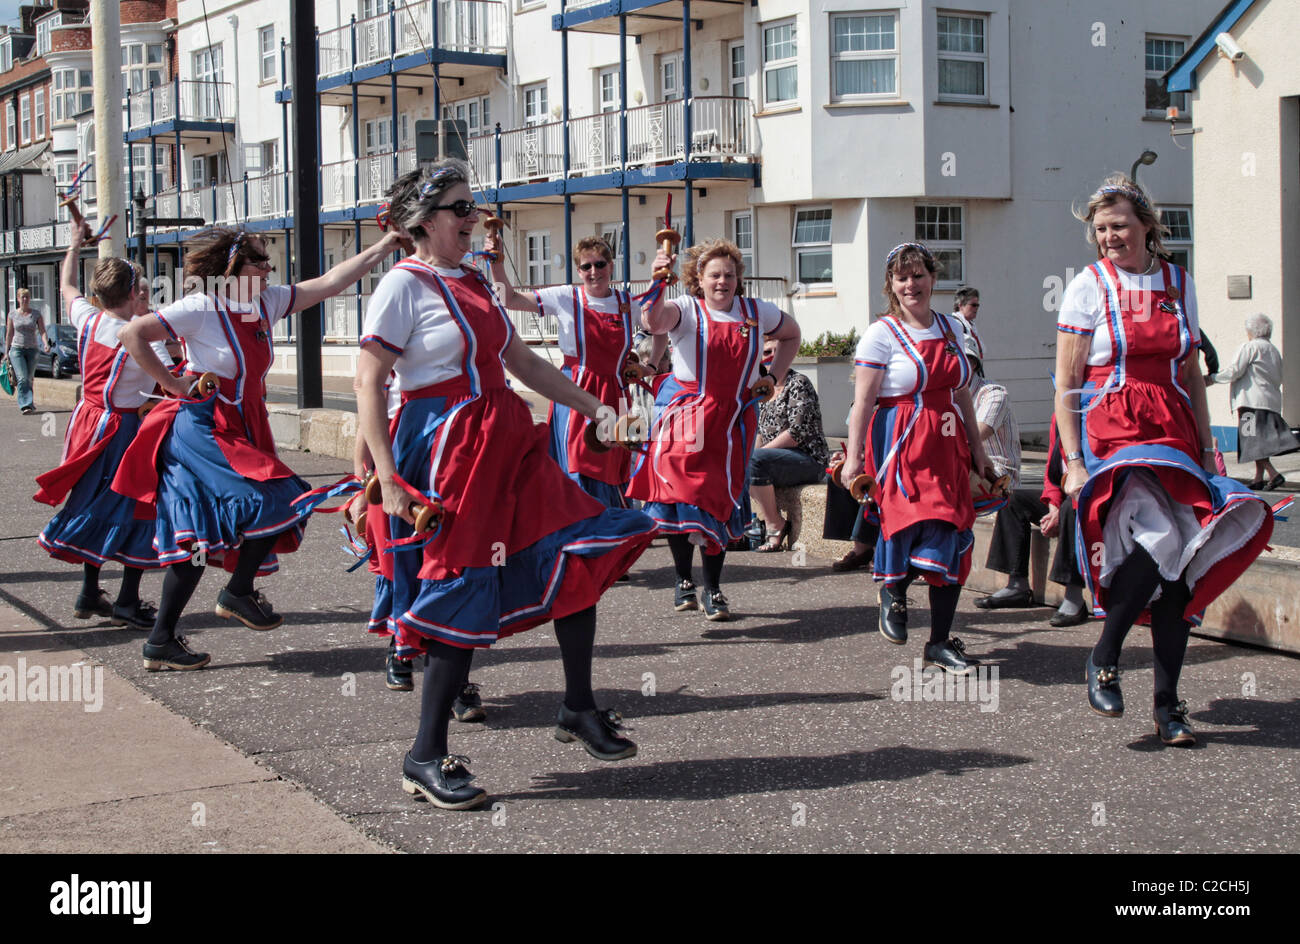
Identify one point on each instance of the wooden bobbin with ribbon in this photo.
(862, 487)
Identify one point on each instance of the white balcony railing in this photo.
(188, 100)
(364, 180)
(722, 129)
(227, 204)
(477, 26)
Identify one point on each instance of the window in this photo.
(72, 93)
(535, 104)
(812, 245)
(208, 80)
(270, 157)
(864, 56)
(25, 109)
(736, 68)
(963, 57)
(1179, 241)
(475, 112)
(607, 92)
(539, 258)
(43, 32)
(11, 139)
(780, 65)
(6, 54)
(142, 66)
(742, 234)
(266, 54)
(612, 233)
(64, 171)
(670, 77)
(38, 103)
(940, 228)
(379, 136)
(1161, 54)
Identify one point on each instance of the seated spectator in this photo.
(791, 449)
(965, 309)
(997, 423)
(1009, 549)
(847, 520)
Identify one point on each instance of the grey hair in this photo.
(1259, 326)
(964, 295)
(413, 195)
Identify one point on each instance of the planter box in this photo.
(832, 377)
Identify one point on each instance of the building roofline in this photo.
(1182, 75)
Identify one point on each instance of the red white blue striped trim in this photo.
(391, 348)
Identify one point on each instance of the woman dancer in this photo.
(519, 543)
(693, 477)
(910, 383)
(595, 336)
(207, 459)
(96, 524)
(1160, 535)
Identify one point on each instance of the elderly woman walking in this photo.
(1256, 377)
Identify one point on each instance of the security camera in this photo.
(1228, 47)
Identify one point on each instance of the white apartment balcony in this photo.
(253, 200)
(364, 180)
(190, 107)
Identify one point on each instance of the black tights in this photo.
(943, 606)
(251, 554)
(1130, 590)
(447, 668)
(684, 552)
(127, 595)
(178, 586)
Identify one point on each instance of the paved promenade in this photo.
(794, 728)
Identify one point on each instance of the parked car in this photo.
(62, 360)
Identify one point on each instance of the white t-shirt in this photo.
(683, 335)
(132, 386)
(195, 320)
(412, 321)
(880, 349)
(1084, 308)
(557, 300)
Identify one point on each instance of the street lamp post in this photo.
(1148, 158)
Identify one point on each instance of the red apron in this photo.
(918, 450)
(603, 341)
(703, 439)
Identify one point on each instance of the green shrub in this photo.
(830, 344)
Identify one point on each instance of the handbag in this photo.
(8, 383)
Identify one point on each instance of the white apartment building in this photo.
(816, 136)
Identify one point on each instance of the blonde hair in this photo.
(700, 255)
(1119, 187)
(593, 244)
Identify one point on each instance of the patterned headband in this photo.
(1124, 190)
(234, 247)
(901, 246)
(439, 180)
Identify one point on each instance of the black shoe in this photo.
(175, 654)
(138, 615)
(1076, 618)
(950, 655)
(597, 731)
(893, 615)
(852, 561)
(715, 606)
(1274, 484)
(468, 707)
(1011, 601)
(1103, 689)
(397, 672)
(443, 781)
(253, 610)
(684, 598)
(98, 605)
(626, 578)
(1172, 726)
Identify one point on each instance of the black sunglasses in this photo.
(598, 264)
(461, 208)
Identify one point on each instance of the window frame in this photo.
(38, 110)
(1177, 243)
(981, 57)
(810, 247)
(543, 265)
(265, 55)
(25, 119)
(770, 67)
(734, 45)
(543, 116)
(1181, 100)
(748, 254)
(44, 42)
(937, 245)
(11, 125)
(870, 55)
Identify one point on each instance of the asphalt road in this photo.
(785, 730)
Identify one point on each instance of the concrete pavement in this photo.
(794, 728)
